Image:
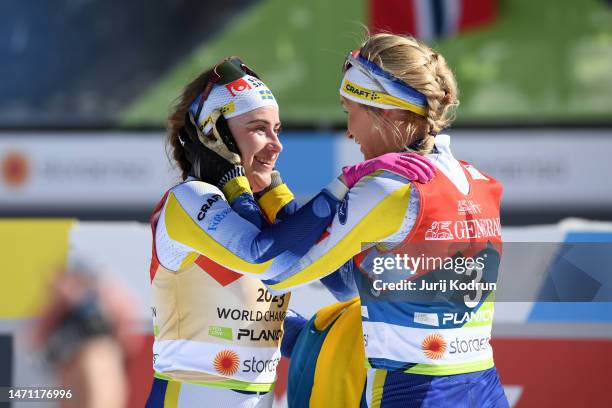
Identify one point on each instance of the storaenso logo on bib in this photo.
(226, 362)
(434, 346)
(471, 345)
(208, 205)
(260, 366)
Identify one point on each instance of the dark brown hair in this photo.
(176, 120)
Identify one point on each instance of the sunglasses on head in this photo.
(347, 62)
(227, 70)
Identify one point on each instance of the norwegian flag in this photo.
(430, 19)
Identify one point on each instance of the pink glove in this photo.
(412, 166)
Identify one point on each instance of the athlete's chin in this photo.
(259, 179)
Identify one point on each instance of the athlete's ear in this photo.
(392, 114)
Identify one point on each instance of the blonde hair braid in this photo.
(424, 70)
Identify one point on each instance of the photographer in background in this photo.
(84, 333)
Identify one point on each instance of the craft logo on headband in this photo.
(366, 83)
(232, 99)
(360, 92)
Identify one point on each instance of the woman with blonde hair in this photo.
(217, 332)
(426, 339)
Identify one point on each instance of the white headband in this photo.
(240, 96)
(366, 83)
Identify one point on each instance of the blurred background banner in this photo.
(60, 170)
(122, 174)
(85, 91)
(112, 63)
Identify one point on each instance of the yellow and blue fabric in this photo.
(342, 282)
(326, 367)
(278, 203)
(366, 83)
(197, 218)
(238, 193)
(374, 210)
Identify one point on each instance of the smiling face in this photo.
(256, 134)
(375, 136)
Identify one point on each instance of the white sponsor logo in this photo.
(468, 207)
(477, 228)
(464, 229)
(439, 231)
(430, 319)
(461, 318)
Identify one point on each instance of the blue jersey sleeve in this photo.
(198, 216)
(341, 283)
(246, 207)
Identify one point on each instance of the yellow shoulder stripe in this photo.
(182, 228)
(274, 200)
(384, 219)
